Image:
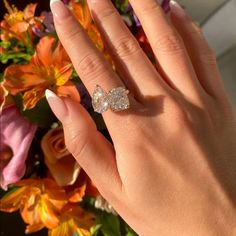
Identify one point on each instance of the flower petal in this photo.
(59, 161)
(11, 201)
(19, 78)
(48, 213)
(29, 11)
(45, 50)
(81, 12)
(33, 96)
(17, 133)
(68, 90)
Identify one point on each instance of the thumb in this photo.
(89, 147)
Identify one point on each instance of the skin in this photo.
(172, 167)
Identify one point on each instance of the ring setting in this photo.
(116, 99)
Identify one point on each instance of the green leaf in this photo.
(95, 230)
(1, 77)
(130, 232)
(5, 44)
(15, 56)
(110, 224)
(41, 115)
(10, 190)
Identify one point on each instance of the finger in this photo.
(92, 151)
(202, 56)
(90, 64)
(169, 48)
(130, 59)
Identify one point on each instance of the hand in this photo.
(172, 168)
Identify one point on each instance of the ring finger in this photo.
(90, 64)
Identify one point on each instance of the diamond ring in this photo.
(116, 99)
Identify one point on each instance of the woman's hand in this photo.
(172, 168)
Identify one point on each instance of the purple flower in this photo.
(15, 140)
(136, 20)
(66, 2)
(166, 5)
(48, 21)
(38, 32)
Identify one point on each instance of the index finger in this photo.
(90, 64)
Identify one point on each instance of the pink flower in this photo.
(15, 140)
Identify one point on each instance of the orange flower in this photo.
(50, 67)
(74, 221)
(39, 202)
(16, 23)
(82, 13)
(59, 161)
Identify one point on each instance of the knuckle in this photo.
(168, 43)
(78, 143)
(208, 57)
(178, 117)
(90, 66)
(127, 47)
(106, 13)
(81, 148)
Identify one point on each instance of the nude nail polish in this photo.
(59, 10)
(57, 105)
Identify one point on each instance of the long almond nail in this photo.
(57, 105)
(59, 10)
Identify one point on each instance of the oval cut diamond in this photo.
(118, 99)
(100, 101)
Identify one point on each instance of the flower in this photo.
(50, 67)
(39, 202)
(42, 203)
(166, 5)
(47, 23)
(59, 161)
(82, 14)
(16, 137)
(74, 221)
(18, 23)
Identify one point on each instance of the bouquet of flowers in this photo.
(39, 177)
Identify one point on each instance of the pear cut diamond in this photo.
(118, 99)
(100, 100)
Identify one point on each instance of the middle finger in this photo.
(129, 57)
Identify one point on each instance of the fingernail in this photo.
(91, 1)
(59, 10)
(176, 7)
(57, 105)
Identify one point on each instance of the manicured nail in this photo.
(91, 1)
(176, 8)
(59, 10)
(57, 105)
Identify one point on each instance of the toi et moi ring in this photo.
(116, 99)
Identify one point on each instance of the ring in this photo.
(116, 99)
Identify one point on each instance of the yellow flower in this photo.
(18, 23)
(73, 222)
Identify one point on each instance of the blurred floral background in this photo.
(43, 188)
